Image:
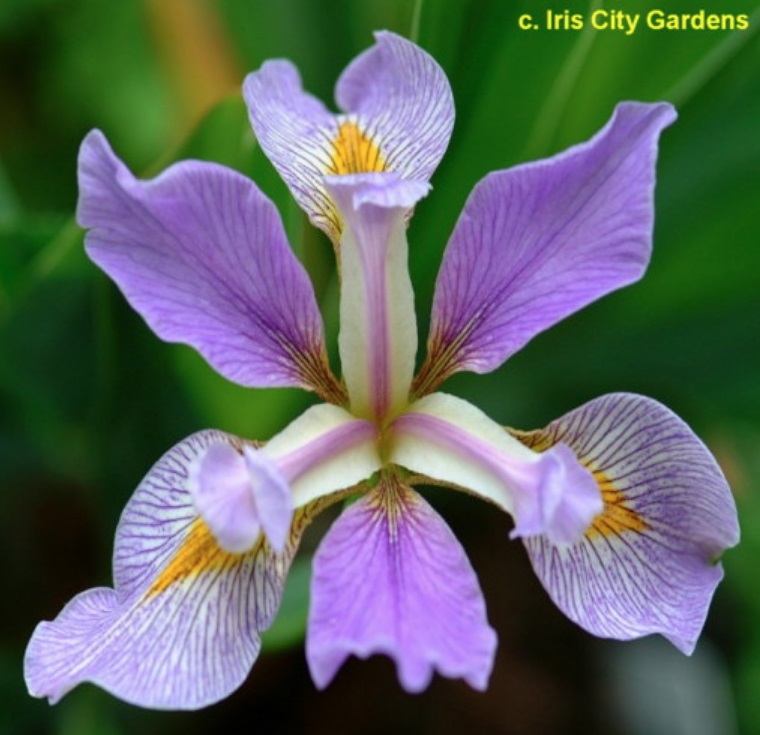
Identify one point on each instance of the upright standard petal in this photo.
(201, 253)
(391, 578)
(402, 95)
(453, 442)
(397, 116)
(180, 629)
(649, 562)
(298, 134)
(378, 325)
(537, 242)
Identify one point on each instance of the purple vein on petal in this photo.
(397, 115)
(181, 628)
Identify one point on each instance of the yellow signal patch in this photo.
(198, 554)
(354, 152)
(617, 517)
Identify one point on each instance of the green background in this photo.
(89, 398)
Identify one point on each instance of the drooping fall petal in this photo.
(404, 97)
(649, 562)
(391, 578)
(180, 629)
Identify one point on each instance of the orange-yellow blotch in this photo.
(199, 553)
(354, 152)
(617, 517)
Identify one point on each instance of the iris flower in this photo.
(622, 510)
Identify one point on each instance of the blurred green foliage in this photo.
(89, 398)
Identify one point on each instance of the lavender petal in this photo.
(391, 578)
(201, 254)
(649, 561)
(181, 629)
(405, 98)
(397, 116)
(537, 242)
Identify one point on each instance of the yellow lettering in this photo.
(656, 20)
(600, 20)
(525, 21)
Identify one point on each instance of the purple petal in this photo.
(649, 562)
(391, 578)
(239, 494)
(399, 116)
(181, 628)
(537, 242)
(202, 255)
